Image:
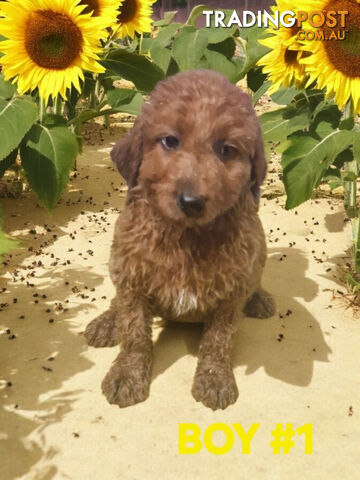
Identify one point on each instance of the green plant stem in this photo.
(58, 105)
(108, 111)
(42, 110)
(350, 204)
(92, 100)
(350, 186)
(106, 121)
(355, 226)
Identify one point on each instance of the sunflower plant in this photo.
(317, 84)
(54, 78)
(61, 61)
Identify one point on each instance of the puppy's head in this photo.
(195, 148)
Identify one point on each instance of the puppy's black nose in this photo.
(192, 206)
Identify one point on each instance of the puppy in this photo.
(189, 245)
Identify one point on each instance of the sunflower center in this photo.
(290, 56)
(52, 40)
(127, 11)
(91, 6)
(345, 54)
(351, 43)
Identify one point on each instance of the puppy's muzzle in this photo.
(192, 206)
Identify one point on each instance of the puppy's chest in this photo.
(182, 276)
(184, 279)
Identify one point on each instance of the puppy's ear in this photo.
(127, 154)
(258, 162)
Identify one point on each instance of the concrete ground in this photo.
(299, 367)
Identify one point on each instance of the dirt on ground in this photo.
(298, 367)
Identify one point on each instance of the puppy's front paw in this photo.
(260, 305)
(127, 382)
(103, 330)
(215, 386)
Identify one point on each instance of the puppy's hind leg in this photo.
(260, 305)
(103, 331)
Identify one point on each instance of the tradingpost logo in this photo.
(326, 25)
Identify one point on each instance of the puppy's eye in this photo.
(228, 151)
(170, 142)
(225, 151)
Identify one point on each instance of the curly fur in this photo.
(186, 268)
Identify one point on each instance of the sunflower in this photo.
(282, 63)
(107, 9)
(335, 64)
(134, 16)
(48, 44)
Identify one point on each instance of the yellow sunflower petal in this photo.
(133, 16)
(282, 63)
(335, 64)
(58, 43)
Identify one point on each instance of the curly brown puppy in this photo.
(189, 245)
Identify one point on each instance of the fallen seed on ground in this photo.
(47, 369)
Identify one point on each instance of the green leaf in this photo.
(325, 113)
(173, 68)
(86, 115)
(159, 53)
(307, 159)
(347, 124)
(146, 45)
(7, 162)
(135, 68)
(309, 99)
(52, 119)
(219, 34)
(276, 126)
(195, 14)
(7, 89)
(259, 93)
(323, 129)
(108, 81)
(254, 49)
(165, 36)
(343, 157)
(352, 282)
(168, 16)
(161, 57)
(124, 100)
(189, 46)
(255, 79)
(47, 155)
(203, 64)
(284, 95)
(220, 63)
(226, 48)
(333, 181)
(16, 118)
(6, 243)
(240, 64)
(348, 176)
(133, 45)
